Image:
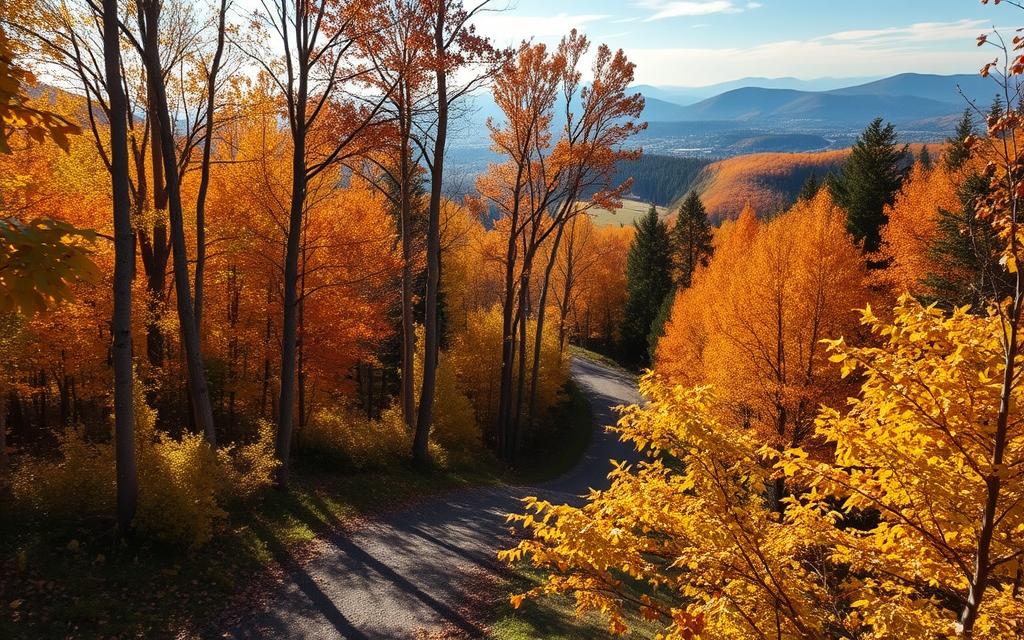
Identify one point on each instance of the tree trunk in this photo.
(3, 433)
(204, 177)
(289, 328)
(408, 391)
(430, 314)
(124, 271)
(538, 339)
(202, 409)
(993, 483)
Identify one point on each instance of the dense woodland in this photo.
(226, 248)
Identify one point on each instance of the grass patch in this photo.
(631, 210)
(75, 579)
(564, 441)
(551, 617)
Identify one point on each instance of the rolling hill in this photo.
(753, 104)
(769, 182)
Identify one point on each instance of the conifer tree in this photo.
(809, 188)
(692, 239)
(648, 281)
(924, 158)
(957, 152)
(870, 180)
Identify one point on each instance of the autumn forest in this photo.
(274, 363)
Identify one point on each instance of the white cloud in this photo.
(850, 53)
(689, 8)
(921, 32)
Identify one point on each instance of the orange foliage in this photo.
(752, 323)
(766, 181)
(913, 225)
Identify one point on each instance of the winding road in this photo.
(411, 572)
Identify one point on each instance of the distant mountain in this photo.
(657, 110)
(932, 87)
(781, 106)
(689, 95)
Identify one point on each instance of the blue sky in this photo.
(698, 42)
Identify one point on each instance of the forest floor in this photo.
(384, 553)
(430, 570)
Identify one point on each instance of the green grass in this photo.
(75, 579)
(551, 617)
(630, 211)
(607, 361)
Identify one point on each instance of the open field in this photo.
(630, 211)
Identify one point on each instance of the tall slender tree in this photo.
(124, 273)
(316, 40)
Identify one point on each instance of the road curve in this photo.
(412, 571)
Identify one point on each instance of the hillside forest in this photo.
(234, 282)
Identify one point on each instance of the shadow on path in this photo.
(408, 571)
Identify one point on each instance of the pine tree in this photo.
(869, 181)
(648, 281)
(957, 151)
(658, 325)
(692, 239)
(809, 188)
(967, 247)
(925, 158)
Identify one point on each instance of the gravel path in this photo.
(414, 570)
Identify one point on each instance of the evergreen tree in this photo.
(957, 153)
(810, 188)
(648, 281)
(658, 326)
(968, 250)
(691, 237)
(869, 180)
(924, 158)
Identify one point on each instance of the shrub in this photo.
(182, 483)
(454, 425)
(248, 468)
(346, 434)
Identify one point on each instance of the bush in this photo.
(454, 427)
(247, 468)
(182, 483)
(347, 435)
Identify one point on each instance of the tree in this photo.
(965, 253)
(869, 181)
(957, 150)
(924, 158)
(198, 386)
(124, 273)
(691, 238)
(810, 187)
(648, 281)
(538, 186)
(316, 39)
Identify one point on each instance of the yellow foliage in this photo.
(880, 541)
(182, 483)
(454, 425)
(475, 356)
(688, 523)
(345, 432)
(916, 448)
